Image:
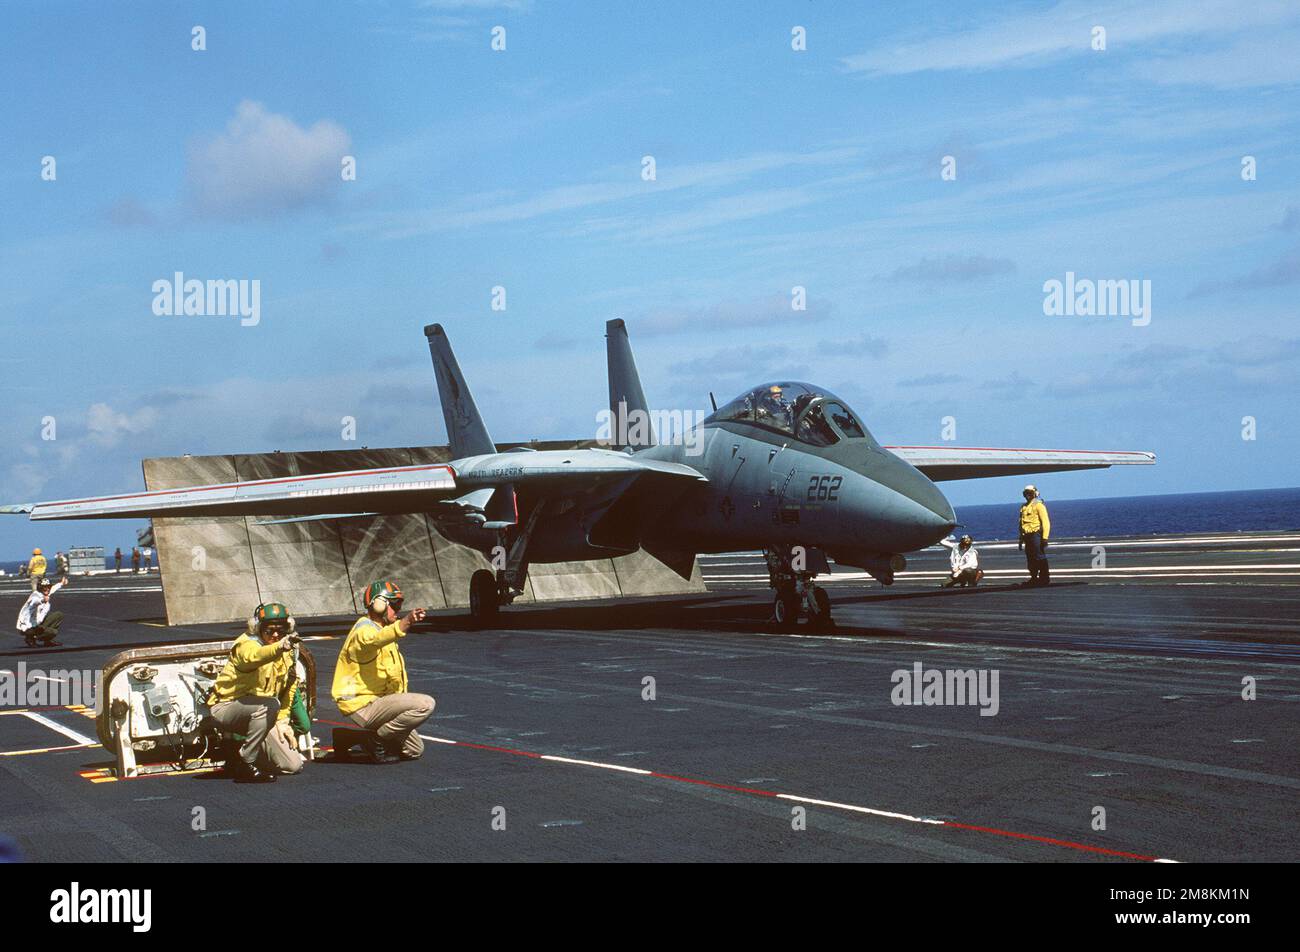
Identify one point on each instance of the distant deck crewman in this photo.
(965, 562)
(36, 568)
(370, 684)
(40, 625)
(1035, 528)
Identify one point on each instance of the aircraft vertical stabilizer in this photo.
(625, 394)
(466, 433)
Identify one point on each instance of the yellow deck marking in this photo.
(105, 774)
(45, 750)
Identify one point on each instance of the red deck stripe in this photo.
(1047, 839)
(710, 783)
(755, 791)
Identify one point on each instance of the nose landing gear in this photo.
(790, 573)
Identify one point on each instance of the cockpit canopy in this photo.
(810, 414)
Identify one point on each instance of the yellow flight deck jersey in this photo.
(1033, 516)
(37, 565)
(370, 665)
(258, 670)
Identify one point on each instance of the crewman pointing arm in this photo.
(370, 684)
(254, 693)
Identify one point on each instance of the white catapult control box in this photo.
(153, 711)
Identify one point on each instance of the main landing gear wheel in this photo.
(785, 610)
(822, 619)
(483, 597)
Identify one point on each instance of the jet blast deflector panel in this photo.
(218, 568)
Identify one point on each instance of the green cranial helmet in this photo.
(380, 595)
(273, 615)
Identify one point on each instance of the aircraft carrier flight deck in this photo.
(1122, 686)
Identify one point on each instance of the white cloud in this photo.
(953, 269)
(1269, 58)
(107, 426)
(493, 208)
(265, 163)
(1029, 39)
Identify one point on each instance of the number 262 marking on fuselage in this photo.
(824, 488)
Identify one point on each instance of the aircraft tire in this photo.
(785, 610)
(824, 620)
(483, 598)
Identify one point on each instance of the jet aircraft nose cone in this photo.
(945, 518)
(922, 516)
(929, 517)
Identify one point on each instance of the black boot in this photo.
(378, 753)
(251, 773)
(345, 738)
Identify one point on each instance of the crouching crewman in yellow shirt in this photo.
(370, 678)
(253, 695)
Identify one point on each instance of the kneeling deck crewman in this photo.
(965, 563)
(36, 621)
(370, 678)
(253, 695)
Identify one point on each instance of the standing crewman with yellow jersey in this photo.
(1035, 528)
(253, 695)
(370, 684)
(36, 568)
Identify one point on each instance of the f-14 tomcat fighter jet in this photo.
(787, 467)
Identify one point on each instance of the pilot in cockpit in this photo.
(813, 427)
(800, 404)
(772, 408)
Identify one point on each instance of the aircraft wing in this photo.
(369, 492)
(393, 489)
(941, 463)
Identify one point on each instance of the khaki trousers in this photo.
(254, 717)
(283, 756)
(394, 718)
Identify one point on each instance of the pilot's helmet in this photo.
(966, 540)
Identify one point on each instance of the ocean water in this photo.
(1252, 510)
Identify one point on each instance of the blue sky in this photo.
(522, 168)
